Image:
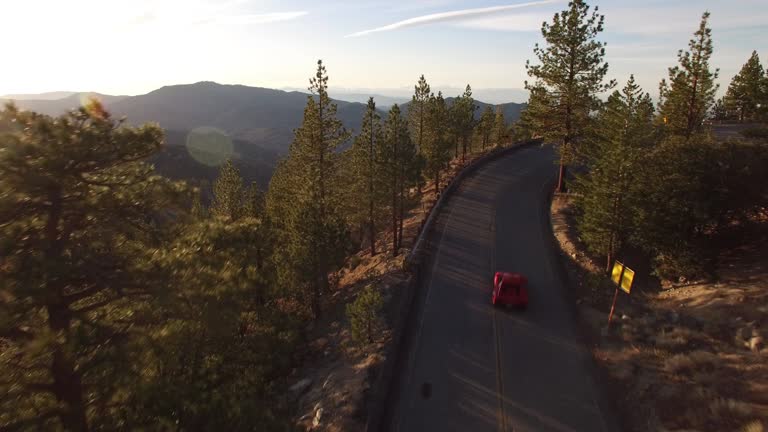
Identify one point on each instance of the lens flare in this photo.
(209, 146)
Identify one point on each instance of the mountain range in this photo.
(256, 122)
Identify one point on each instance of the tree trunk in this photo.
(67, 382)
(561, 186)
(371, 225)
(402, 211)
(394, 219)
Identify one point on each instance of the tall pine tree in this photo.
(485, 126)
(464, 118)
(571, 70)
(80, 216)
(228, 192)
(499, 128)
(745, 93)
(304, 198)
(366, 196)
(624, 131)
(436, 151)
(685, 100)
(399, 163)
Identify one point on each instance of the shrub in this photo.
(364, 315)
(689, 362)
(354, 261)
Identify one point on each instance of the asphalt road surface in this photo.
(473, 367)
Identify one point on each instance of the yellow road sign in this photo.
(616, 272)
(622, 276)
(626, 280)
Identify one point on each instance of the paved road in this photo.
(487, 369)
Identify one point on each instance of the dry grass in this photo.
(691, 362)
(683, 361)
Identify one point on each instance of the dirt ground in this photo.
(678, 357)
(329, 390)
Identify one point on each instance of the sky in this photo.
(133, 47)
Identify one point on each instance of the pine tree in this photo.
(417, 112)
(486, 126)
(745, 93)
(253, 202)
(228, 193)
(436, 150)
(464, 118)
(571, 71)
(80, 217)
(366, 196)
(499, 128)
(720, 110)
(686, 99)
(304, 197)
(198, 210)
(624, 131)
(399, 165)
(364, 315)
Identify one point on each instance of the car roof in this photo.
(513, 278)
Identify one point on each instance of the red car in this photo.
(510, 289)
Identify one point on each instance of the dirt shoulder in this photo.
(332, 389)
(677, 357)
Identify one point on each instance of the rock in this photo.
(756, 343)
(318, 415)
(625, 317)
(300, 387)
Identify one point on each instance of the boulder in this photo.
(318, 415)
(756, 343)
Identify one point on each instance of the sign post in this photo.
(622, 276)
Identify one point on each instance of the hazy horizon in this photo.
(372, 45)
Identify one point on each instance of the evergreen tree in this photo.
(253, 201)
(464, 118)
(624, 131)
(228, 192)
(417, 112)
(399, 163)
(436, 150)
(745, 93)
(80, 217)
(486, 126)
(304, 198)
(571, 72)
(720, 110)
(686, 99)
(366, 196)
(499, 128)
(364, 315)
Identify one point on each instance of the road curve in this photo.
(472, 367)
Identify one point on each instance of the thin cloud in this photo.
(457, 15)
(261, 18)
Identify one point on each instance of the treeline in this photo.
(656, 177)
(126, 303)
